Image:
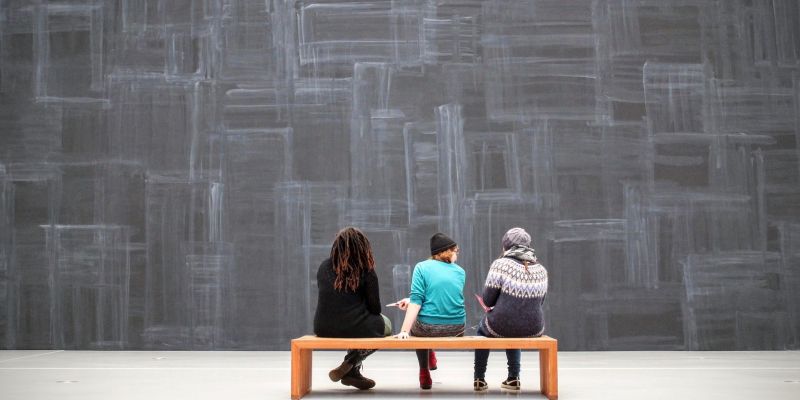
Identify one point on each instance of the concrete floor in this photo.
(151, 375)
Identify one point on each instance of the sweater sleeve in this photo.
(494, 285)
(417, 287)
(546, 284)
(373, 293)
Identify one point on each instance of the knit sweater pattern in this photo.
(517, 295)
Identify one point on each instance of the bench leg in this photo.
(548, 372)
(301, 372)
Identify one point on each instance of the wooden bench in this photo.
(304, 346)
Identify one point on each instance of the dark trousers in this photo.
(355, 356)
(482, 358)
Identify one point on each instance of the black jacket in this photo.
(347, 314)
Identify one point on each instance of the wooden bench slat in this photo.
(465, 342)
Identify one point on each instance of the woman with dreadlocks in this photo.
(515, 288)
(348, 305)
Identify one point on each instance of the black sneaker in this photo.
(339, 372)
(480, 385)
(511, 385)
(355, 379)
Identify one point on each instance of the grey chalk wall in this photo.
(172, 172)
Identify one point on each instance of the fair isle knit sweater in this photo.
(517, 295)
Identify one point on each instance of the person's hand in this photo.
(403, 304)
(401, 335)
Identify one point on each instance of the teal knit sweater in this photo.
(439, 288)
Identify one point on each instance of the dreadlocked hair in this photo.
(351, 255)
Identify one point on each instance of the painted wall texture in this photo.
(172, 172)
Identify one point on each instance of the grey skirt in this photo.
(421, 329)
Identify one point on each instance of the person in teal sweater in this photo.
(436, 305)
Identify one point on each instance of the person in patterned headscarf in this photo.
(515, 288)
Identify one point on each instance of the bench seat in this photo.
(303, 347)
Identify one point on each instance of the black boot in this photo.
(354, 378)
(339, 372)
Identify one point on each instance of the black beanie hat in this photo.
(440, 242)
